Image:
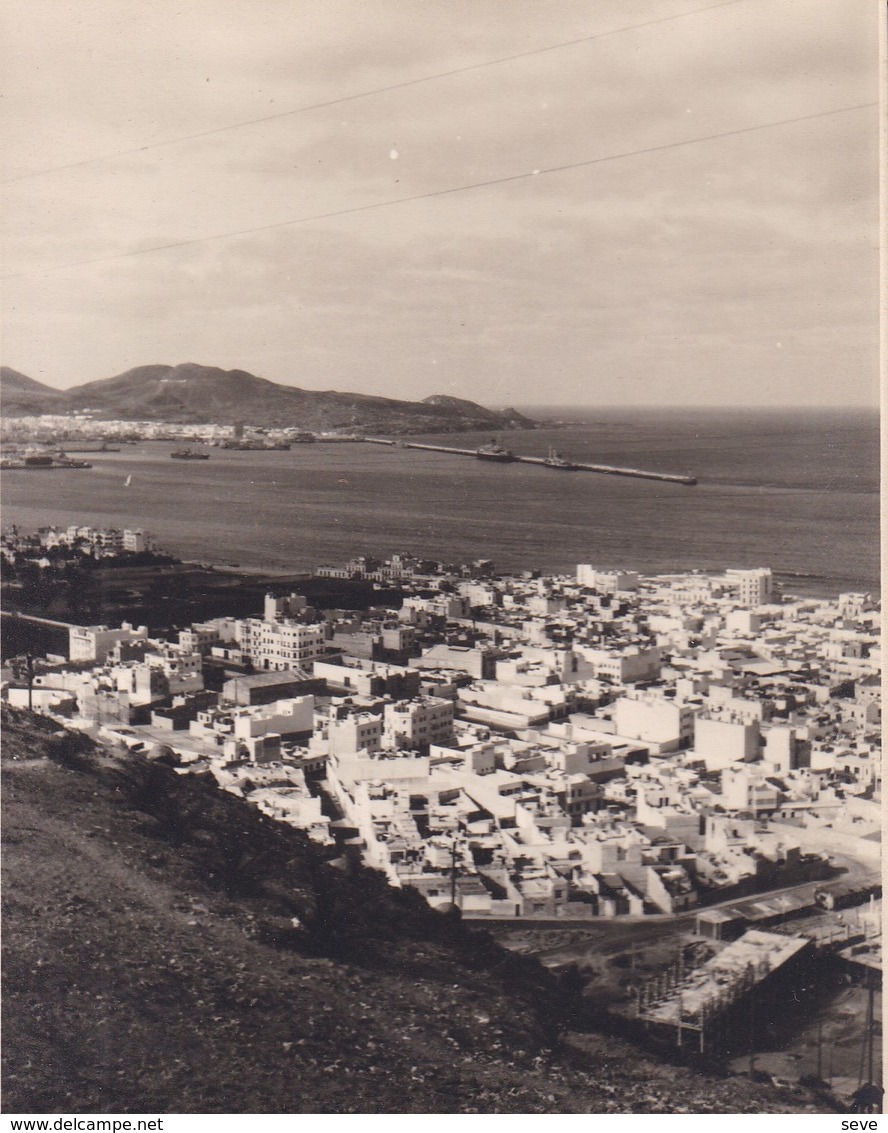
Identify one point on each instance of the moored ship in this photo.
(93, 448)
(493, 451)
(42, 462)
(256, 446)
(557, 461)
(189, 454)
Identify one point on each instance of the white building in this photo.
(94, 643)
(622, 665)
(754, 587)
(785, 750)
(721, 742)
(136, 540)
(280, 644)
(358, 731)
(655, 720)
(417, 723)
(606, 581)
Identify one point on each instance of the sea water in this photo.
(797, 491)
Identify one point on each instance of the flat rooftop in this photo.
(279, 677)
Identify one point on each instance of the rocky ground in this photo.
(153, 963)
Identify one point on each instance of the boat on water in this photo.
(189, 454)
(256, 446)
(42, 463)
(103, 447)
(493, 451)
(64, 461)
(557, 461)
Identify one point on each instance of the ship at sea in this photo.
(257, 446)
(103, 447)
(557, 461)
(189, 454)
(493, 451)
(42, 461)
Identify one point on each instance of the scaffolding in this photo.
(694, 1005)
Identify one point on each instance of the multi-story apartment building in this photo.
(93, 643)
(282, 644)
(754, 587)
(606, 581)
(656, 720)
(414, 724)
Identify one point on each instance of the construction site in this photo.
(699, 1005)
(803, 997)
(782, 987)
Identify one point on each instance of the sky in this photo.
(736, 270)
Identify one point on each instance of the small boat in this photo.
(493, 451)
(189, 454)
(128, 481)
(557, 461)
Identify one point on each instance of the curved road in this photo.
(612, 936)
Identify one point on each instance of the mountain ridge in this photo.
(192, 393)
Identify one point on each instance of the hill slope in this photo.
(191, 393)
(21, 396)
(151, 966)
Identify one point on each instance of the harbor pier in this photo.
(604, 469)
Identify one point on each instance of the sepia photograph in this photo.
(441, 594)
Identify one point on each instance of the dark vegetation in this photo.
(170, 949)
(162, 595)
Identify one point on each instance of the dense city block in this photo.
(525, 747)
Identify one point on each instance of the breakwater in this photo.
(578, 466)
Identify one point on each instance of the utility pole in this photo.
(29, 669)
(679, 972)
(752, 1031)
(680, 1009)
(453, 849)
(865, 1047)
(871, 1024)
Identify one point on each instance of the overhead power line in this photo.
(365, 94)
(354, 209)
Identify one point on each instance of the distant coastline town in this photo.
(597, 745)
(69, 430)
(47, 441)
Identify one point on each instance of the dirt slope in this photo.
(151, 966)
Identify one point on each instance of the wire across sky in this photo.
(448, 191)
(369, 93)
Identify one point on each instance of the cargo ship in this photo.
(494, 452)
(36, 463)
(557, 461)
(92, 448)
(256, 446)
(189, 454)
